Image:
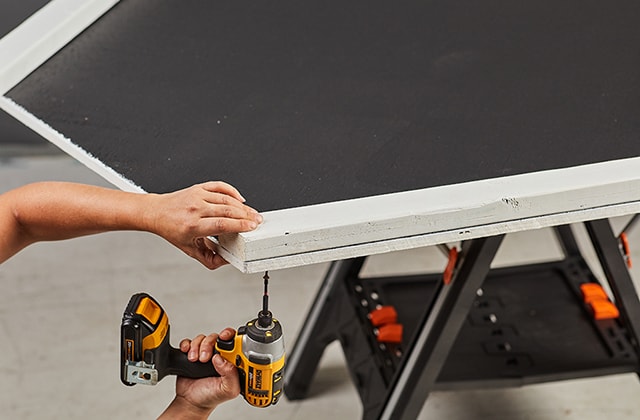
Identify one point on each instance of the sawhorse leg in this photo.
(437, 332)
(615, 269)
(329, 319)
(320, 328)
(606, 246)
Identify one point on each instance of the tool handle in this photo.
(181, 366)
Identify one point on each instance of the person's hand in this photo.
(197, 398)
(186, 217)
(50, 211)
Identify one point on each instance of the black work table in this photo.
(365, 127)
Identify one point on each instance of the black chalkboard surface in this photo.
(304, 102)
(13, 13)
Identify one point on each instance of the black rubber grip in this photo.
(181, 366)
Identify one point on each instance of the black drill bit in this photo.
(265, 296)
(265, 319)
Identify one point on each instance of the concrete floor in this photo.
(61, 305)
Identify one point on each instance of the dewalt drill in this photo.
(257, 350)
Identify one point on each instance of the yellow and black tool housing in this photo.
(257, 350)
(146, 354)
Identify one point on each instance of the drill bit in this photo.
(265, 296)
(265, 319)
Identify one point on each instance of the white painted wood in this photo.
(43, 34)
(371, 225)
(401, 244)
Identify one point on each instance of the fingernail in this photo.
(203, 354)
(193, 356)
(253, 225)
(259, 218)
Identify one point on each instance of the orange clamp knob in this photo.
(384, 315)
(451, 265)
(390, 333)
(599, 304)
(592, 292)
(626, 250)
(604, 309)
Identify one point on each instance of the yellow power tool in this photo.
(257, 350)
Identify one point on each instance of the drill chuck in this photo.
(265, 319)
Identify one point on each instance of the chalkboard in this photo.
(305, 102)
(13, 13)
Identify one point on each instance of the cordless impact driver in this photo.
(257, 350)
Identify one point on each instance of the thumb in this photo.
(229, 384)
(223, 367)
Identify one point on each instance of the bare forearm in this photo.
(56, 210)
(50, 211)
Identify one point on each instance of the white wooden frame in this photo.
(431, 216)
(358, 227)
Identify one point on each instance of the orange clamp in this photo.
(626, 250)
(592, 292)
(451, 265)
(598, 301)
(390, 333)
(383, 315)
(604, 309)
